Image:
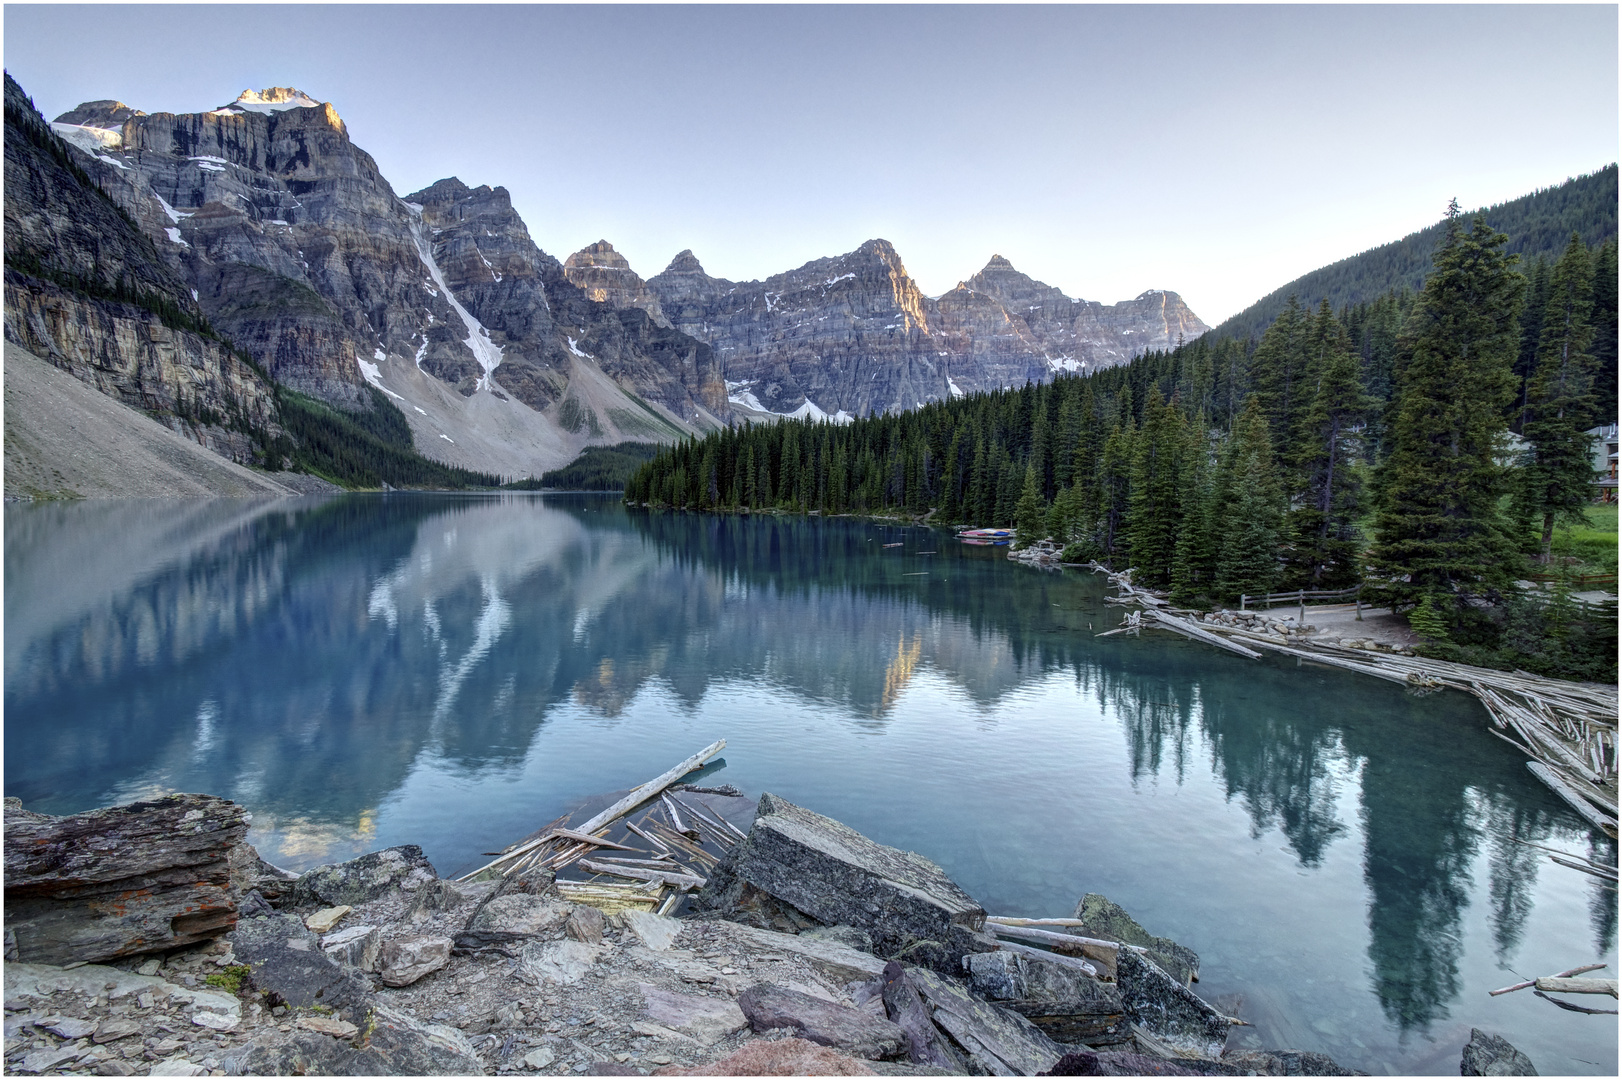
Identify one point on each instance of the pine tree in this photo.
(1253, 508)
(1559, 475)
(1153, 505)
(1193, 572)
(1030, 519)
(1278, 372)
(1115, 480)
(1439, 529)
(1605, 333)
(1322, 527)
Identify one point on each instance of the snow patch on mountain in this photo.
(485, 351)
(274, 100)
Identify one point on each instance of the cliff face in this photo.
(88, 292)
(300, 250)
(608, 279)
(853, 334)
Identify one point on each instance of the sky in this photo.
(1213, 150)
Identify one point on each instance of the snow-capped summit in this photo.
(273, 99)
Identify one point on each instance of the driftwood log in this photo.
(121, 880)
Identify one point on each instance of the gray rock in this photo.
(357, 946)
(996, 1041)
(657, 932)
(1285, 1063)
(1125, 1063)
(839, 962)
(71, 1028)
(585, 923)
(561, 962)
(1106, 919)
(395, 1045)
(1063, 1001)
(38, 1061)
(836, 876)
(539, 1059)
(1168, 1009)
(852, 937)
(705, 1019)
(285, 960)
(365, 878)
(860, 1034)
(997, 976)
(404, 960)
(1491, 1055)
(926, 1045)
(520, 915)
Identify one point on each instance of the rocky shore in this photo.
(150, 939)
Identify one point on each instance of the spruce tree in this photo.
(1030, 520)
(1252, 507)
(1323, 536)
(1157, 454)
(1278, 372)
(1193, 571)
(1605, 333)
(1439, 529)
(1557, 481)
(1115, 480)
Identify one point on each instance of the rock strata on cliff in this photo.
(852, 335)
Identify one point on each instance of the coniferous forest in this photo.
(1379, 444)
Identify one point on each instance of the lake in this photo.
(454, 671)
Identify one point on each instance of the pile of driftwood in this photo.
(1568, 729)
(677, 844)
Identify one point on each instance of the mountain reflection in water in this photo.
(453, 670)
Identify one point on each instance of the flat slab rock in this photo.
(396, 1045)
(860, 1034)
(121, 880)
(997, 1041)
(1063, 1001)
(707, 1020)
(777, 1057)
(836, 876)
(1168, 1009)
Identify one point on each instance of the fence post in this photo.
(1301, 603)
(1357, 599)
(1241, 601)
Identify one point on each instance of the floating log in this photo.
(594, 841)
(1606, 875)
(1568, 973)
(654, 840)
(683, 881)
(1189, 630)
(1556, 985)
(1589, 812)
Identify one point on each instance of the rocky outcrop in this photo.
(1491, 1055)
(87, 291)
(836, 876)
(606, 278)
(120, 881)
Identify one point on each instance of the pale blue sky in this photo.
(1217, 151)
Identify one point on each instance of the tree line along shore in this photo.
(1425, 445)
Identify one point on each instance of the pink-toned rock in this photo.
(783, 1057)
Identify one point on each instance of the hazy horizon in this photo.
(1215, 151)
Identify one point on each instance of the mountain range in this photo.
(189, 263)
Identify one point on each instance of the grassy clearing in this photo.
(1592, 545)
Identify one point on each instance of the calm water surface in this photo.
(454, 671)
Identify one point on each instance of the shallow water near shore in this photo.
(454, 671)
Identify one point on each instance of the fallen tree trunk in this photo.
(121, 880)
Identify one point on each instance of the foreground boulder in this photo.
(849, 1030)
(1104, 918)
(1168, 1009)
(820, 871)
(286, 961)
(1285, 1063)
(1490, 1055)
(122, 880)
(1066, 1003)
(995, 1041)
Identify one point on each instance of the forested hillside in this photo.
(1538, 226)
(1364, 445)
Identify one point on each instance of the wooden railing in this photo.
(1300, 597)
(1581, 581)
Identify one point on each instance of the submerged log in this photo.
(121, 880)
(1590, 813)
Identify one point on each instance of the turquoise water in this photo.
(454, 671)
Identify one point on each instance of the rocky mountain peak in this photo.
(601, 254)
(275, 99)
(685, 263)
(441, 192)
(106, 113)
(608, 279)
(997, 262)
